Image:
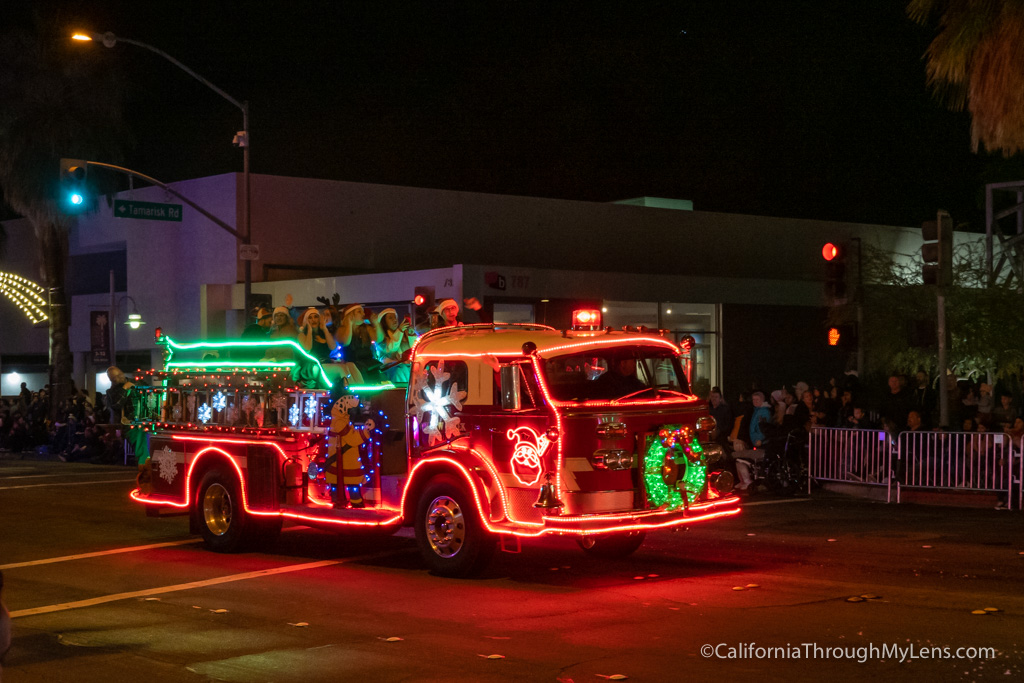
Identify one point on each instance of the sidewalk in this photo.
(939, 497)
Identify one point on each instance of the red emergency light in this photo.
(586, 319)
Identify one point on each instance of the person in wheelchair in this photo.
(745, 453)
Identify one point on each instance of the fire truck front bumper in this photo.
(641, 520)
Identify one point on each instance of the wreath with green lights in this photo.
(674, 464)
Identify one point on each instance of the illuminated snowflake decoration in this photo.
(310, 408)
(438, 403)
(205, 413)
(220, 401)
(293, 414)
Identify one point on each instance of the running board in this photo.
(365, 515)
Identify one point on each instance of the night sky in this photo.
(811, 109)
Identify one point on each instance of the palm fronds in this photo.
(977, 60)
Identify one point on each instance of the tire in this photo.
(449, 533)
(612, 546)
(223, 522)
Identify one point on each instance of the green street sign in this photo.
(153, 211)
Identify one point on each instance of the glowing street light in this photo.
(241, 138)
(135, 321)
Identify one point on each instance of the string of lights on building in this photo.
(25, 294)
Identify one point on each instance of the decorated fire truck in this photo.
(504, 433)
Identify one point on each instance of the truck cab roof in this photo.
(505, 340)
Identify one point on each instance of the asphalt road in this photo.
(100, 592)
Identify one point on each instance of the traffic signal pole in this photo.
(946, 271)
(221, 224)
(937, 255)
(940, 305)
(859, 298)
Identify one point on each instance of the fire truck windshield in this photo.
(623, 373)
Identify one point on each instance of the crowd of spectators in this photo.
(747, 427)
(79, 433)
(904, 404)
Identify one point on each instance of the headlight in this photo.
(720, 483)
(713, 453)
(706, 423)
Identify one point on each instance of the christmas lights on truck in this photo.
(504, 433)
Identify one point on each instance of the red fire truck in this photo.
(504, 432)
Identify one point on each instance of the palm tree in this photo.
(56, 103)
(977, 60)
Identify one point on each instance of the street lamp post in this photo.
(133, 321)
(242, 139)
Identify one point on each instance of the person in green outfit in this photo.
(125, 403)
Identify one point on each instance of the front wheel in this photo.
(223, 521)
(451, 537)
(612, 546)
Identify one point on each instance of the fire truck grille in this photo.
(521, 503)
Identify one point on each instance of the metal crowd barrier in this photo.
(966, 461)
(862, 456)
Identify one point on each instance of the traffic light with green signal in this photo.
(75, 196)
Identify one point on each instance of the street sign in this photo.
(124, 208)
(249, 252)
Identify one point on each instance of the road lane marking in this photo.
(194, 584)
(60, 474)
(99, 553)
(68, 483)
(776, 502)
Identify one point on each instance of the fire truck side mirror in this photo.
(510, 387)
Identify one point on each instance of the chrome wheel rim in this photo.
(446, 527)
(217, 509)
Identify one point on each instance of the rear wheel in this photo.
(451, 537)
(223, 521)
(612, 546)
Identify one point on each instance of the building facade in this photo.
(749, 289)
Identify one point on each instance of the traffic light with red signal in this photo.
(422, 305)
(835, 273)
(842, 336)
